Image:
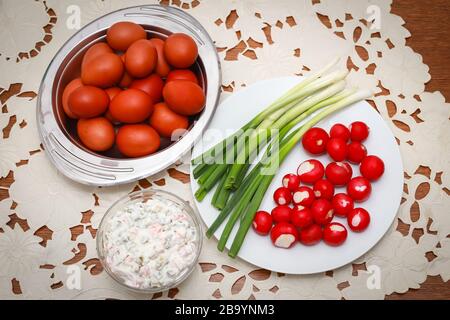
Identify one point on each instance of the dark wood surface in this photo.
(427, 22)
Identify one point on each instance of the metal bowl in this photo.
(58, 134)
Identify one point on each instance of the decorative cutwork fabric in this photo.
(48, 223)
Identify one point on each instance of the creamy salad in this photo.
(151, 244)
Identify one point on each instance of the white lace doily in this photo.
(48, 223)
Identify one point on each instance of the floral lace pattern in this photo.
(48, 223)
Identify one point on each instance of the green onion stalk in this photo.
(209, 175)
(252, 124)
(333, 85)
(214, 172)
(297, 102)
(246, 145)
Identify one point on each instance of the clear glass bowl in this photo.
(143, 196)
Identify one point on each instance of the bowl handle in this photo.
(78, 167)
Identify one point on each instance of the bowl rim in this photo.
(193, 214)
(92, 169)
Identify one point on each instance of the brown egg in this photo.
(140, 58)
(166, 122)
(180, 50)
(88, 101)
(184, 97)
(97, 134)
(94, 51)
(137, 140)
(104, 71)
(131, 106)
(71, 87)
(162, 67)
(122, 34)
(152, 85)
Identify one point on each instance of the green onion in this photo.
(280, 102)
(210, 181)
(283, 120)
(218, 192)
(246, 143)
(240, 207)
(233, 201)
(248, 217)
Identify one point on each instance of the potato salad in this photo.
(150, 245)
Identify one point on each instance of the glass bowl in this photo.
(140, 197)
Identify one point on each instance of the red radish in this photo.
(323, 189)
(338, 173)
(372, 168)
(283, 235)
(302, 218)
(359, 131)
(282, 196)
(342, 204)
(315, 140)
(322, 211)
(262, 222)
(359, 189)
(281, 214)
(303, 196)
(311, 235)
(356, 151)
(310, 171)
(298, 207)
(291, 181)
(358, 219)
(334, 234)
(340, 131)
(337, 149)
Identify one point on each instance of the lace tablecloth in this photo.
(48, 223)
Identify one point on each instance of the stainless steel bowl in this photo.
(59, 140)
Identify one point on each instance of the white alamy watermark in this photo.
(373, 281)
(73, 280)
(374, 17)
(73, 21)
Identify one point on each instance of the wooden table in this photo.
(428, 23)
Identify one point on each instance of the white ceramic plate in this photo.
(383, 204)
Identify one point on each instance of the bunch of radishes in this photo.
(313, 197)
